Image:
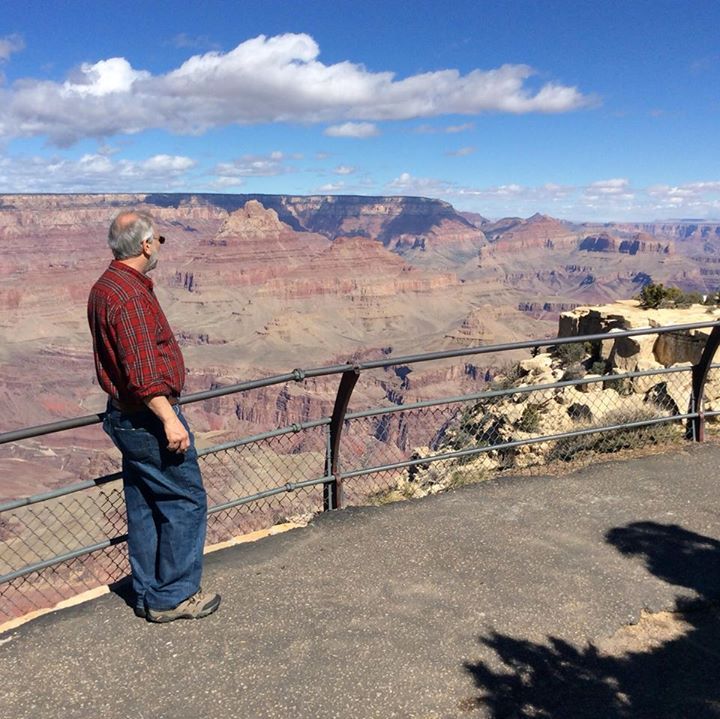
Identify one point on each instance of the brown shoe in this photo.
(197, 606)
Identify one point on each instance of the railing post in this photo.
(696, 425)
(332, 492)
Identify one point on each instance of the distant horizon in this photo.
(459, 210)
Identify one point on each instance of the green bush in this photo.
(609, 441)
(530, 420)
(506, 377)
(573, 371)
(653, 296)
(622, 385)
(689, 298)
(570, 353)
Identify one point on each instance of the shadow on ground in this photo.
(677, 678)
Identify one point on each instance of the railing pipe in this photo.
(530, 344)
(299, 375)
(55, 493)
(332, 493)
(37, 566)
(457, 454)
(699, 379)
(524, 389)
(89, 549)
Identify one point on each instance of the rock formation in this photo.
(600, 400)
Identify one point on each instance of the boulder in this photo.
(642, 384)
(539, 365)
(676, 347)
(628, 351)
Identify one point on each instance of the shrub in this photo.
(507, 376)
(610, 441)
(622, 385)
(530, 420)
(570, 353)
(689, 298)
(574, 371)
(654, 295)
(599, 367)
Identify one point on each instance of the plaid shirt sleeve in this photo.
(136, 330)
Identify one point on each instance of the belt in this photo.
(131, 407)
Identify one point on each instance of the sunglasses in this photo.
(159, 238)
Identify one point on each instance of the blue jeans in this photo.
(166, 508)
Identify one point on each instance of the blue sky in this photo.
(582, 110)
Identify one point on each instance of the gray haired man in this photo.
(140, 366)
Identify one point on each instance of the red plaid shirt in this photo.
(136, 353)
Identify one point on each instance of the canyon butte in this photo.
(256, 285)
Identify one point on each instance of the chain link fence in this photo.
(395, 441)
(512, 428)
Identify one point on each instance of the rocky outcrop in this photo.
(682, 230)
(627, 314)
(647, 352)
(601, 400)
(476, 218)
(538, 231)
(640, 243)
(356, 266)
(250, 221)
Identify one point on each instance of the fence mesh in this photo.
(40, 532)
(258, 467)
(483, 429)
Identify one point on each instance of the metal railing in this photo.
(57, 543)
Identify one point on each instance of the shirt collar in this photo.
(122, 267)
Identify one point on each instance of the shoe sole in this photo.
(165, 618)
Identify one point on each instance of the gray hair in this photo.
(127, 232)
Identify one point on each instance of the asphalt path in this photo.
(487, 601)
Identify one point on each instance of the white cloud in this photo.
(225, 182)
(693, 198)
(344, 170)
(407, 184)
(460, 128)
(610, 187)
(262, 80)
(107, 77)
(10, 44)
(691, 189)
(353, 129)
(332, 187)
(462, 152)
(255, 166)
(450, 129)
(616, 188)
(603, 200)
(93, 171)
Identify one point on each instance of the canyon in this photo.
(256, 285)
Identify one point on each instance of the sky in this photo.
(597, 110)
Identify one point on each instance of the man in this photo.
(140, 366)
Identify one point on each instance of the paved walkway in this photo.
(502, 599)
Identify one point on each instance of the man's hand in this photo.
(177, 436)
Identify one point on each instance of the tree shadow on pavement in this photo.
(678, 677)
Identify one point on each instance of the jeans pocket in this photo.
(136, 444)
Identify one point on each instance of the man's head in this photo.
(131, 238)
